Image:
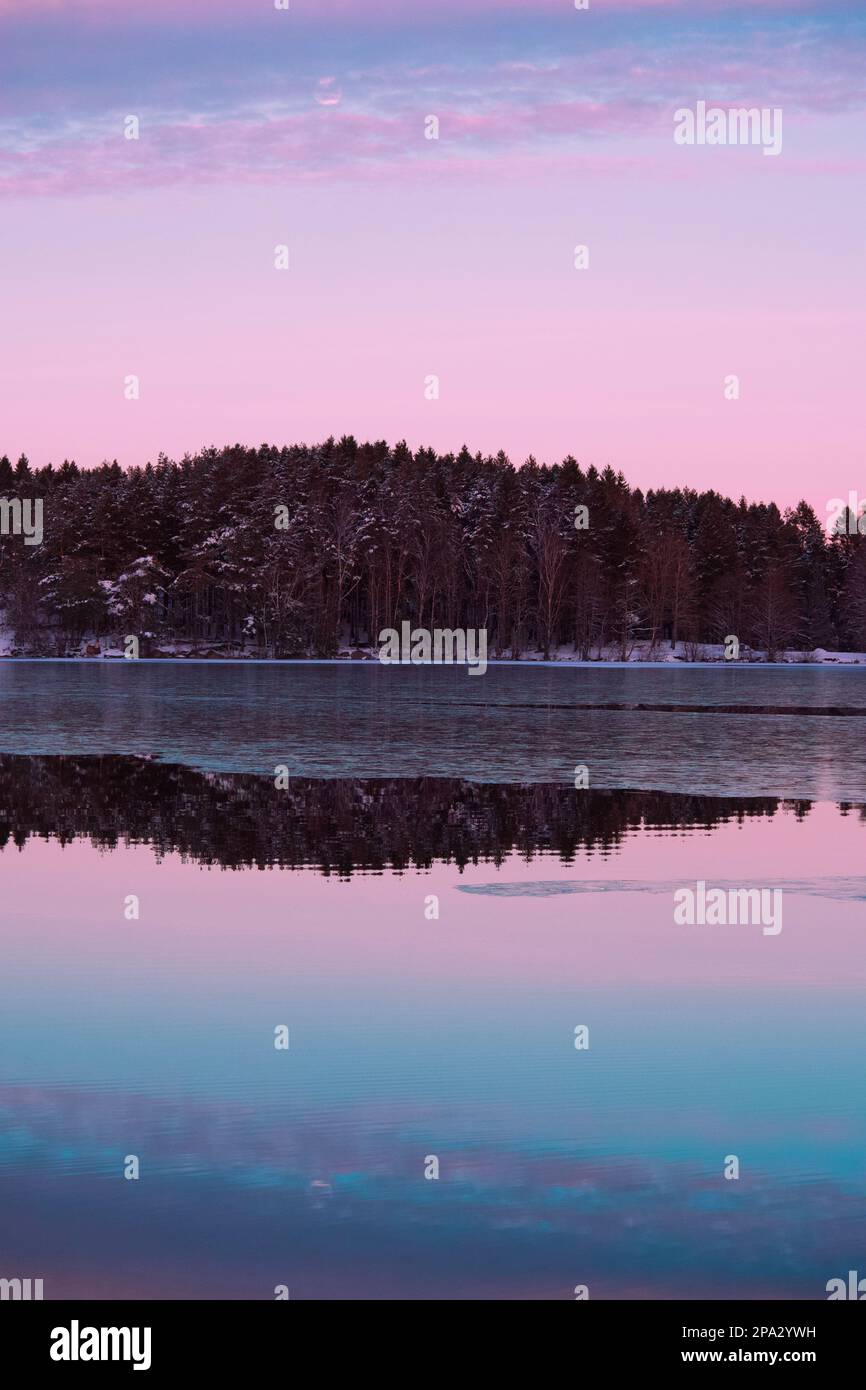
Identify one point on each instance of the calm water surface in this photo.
(513, 724)
(413, 1035)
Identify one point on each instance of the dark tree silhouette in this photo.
(301, 550)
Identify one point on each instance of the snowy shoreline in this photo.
(713, 658)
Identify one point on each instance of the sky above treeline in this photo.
(410, 257)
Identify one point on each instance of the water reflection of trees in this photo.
(337, 826)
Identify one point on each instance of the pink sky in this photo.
(451, 257)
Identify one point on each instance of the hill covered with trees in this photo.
(300, 550)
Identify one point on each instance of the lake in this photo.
(426, 908)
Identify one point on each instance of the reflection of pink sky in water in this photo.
(66, 906)
(411, 1037)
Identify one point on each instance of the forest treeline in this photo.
(298, 550)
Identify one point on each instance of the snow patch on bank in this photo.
(111, 648)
